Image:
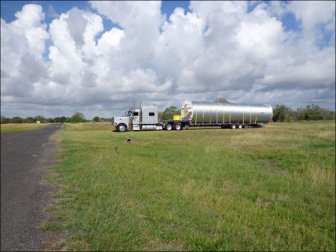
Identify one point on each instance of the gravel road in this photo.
(23, 195)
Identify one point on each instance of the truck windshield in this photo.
(129, 113)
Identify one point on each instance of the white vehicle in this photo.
(196, 114)
(144, 118)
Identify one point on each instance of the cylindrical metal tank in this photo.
(201, 112)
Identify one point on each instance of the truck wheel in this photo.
(121, 127)
(177, 127)
(239, 126)
(169, 127)
(233, 126)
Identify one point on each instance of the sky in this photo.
(102, 57)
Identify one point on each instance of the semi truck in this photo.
(196, 114)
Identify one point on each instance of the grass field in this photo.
(209, 189)
(16, 127)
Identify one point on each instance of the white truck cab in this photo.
(144, 118)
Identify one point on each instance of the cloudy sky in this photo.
(100, 58)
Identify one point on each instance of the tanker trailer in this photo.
(228, 115)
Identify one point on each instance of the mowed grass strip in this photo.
(271, 188)
(18, 127)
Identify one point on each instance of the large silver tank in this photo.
(201, 112)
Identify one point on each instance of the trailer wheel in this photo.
(233, 126)
(121, 127)
(169, 127)
(177, 127)
(239, 126)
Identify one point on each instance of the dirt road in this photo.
(23, 196)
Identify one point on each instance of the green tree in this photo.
(61, 119)
(96, 118)
(16, 119)
(29, 120)
(40, 118)
(222, 101)
(4, 119)
(77, 117)
(282, 113)
(168, 113)
(314, 112)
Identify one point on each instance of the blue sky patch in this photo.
(290, 22)
(168, 7)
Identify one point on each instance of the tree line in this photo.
(75, 118)
(282, 113)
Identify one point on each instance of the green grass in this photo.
(18, 127)
(209, 189)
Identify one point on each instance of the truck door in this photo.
(136, 117)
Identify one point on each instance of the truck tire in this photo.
(168, 127)
(239, 126)
(121, 127)
(233, 126)
(177, 127)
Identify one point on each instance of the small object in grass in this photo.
(128, 140)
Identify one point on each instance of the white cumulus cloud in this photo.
(243, 51)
